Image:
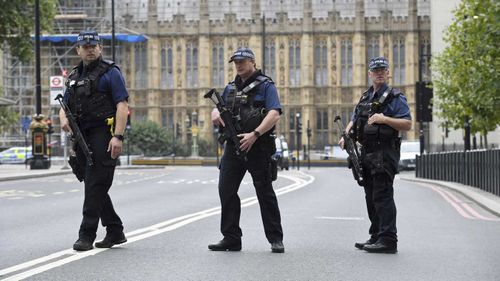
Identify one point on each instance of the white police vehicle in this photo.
(15, 155)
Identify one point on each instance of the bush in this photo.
(150, 139)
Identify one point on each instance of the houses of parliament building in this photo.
(171, 52)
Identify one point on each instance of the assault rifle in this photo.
(77, 138)
(231, 128)
(352, 149)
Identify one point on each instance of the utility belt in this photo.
(109, 122)
(394, 143)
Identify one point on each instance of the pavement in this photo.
(485, 199)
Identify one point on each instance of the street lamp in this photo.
(188, 123)
(194, 132)
(298, 130)
(174, 134)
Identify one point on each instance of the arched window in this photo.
(167, 71)
(320, 64)
(270, 59)
(398, 57)
(294, 62)
(141, 66)
(191, 65)
(372, 51)
(218, 64)
(346, 62)
(425, 56)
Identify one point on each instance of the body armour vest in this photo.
(248, 112)
(366, 133)
(85, 101)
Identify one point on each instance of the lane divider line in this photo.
(140, 234)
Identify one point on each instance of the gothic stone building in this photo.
(315, 50)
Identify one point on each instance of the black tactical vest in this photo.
(85, 102)
(248, 112)
(375, 133)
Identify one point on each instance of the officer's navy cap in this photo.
(378, 62)
(88, 37)
(242, 53)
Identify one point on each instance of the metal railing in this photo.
(478, 168)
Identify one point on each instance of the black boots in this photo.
(235, 245)
(110, 240)
(83, 244)
(381, 247)
(226, 245)
(277, 247)
(360, 245)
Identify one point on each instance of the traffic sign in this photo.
(56, 82)
(56, 88)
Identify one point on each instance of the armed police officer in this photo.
(380, 114)
(253, 101)
(97, 98)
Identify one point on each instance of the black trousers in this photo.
(379, 196)
(98, 180)
(232, 171)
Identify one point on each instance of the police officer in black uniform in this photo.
(253, 100)
(377, 119)
(97, 96)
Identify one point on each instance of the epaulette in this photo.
(108, 62)
(263, 78)
(396, 92)
(111, 63)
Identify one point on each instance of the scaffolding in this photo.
(57, 58)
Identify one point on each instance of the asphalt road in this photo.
(171, 215)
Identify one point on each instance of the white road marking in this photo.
(19, 194)
(139, 234)
(7, 193)
(340, 218)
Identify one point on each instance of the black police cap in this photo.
(378, 62)
(88, 37)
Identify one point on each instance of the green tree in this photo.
(7, 118)
(150, 139)
(17, 24)
(467, 73)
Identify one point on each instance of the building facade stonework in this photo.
(316, 51)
